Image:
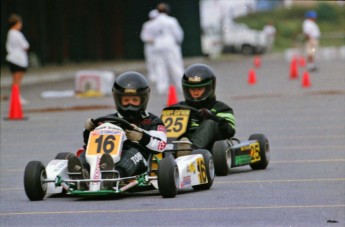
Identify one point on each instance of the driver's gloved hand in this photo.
(90, 124)
(207, 114)
(135, 134)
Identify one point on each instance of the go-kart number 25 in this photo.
(202, 171)
(176, 122)
(100, 144)
(173, 124)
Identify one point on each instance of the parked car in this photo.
(240, 38)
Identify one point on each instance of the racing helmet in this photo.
(196, 76)
(131, 84)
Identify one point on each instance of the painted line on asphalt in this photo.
(290, 148)
(176, 209)
(310, 161)
(323, 137)
(242, 181)
(278, 181)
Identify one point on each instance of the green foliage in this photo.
(327, 13)
(288, 22)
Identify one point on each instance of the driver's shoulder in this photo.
(221, 106)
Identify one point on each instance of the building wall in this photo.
(87, 30)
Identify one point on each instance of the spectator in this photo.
(312, 34)
(270, 33)
(167, 39)
(147, 37)
(17, 47)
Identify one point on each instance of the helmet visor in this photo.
(197, 92)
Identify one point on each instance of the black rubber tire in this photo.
(264, 151)
(210, 171)
(34, 173)
(247, 50)
(221, 157)
(63, 155)
(168, 177)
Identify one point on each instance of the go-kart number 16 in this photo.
(100, 144)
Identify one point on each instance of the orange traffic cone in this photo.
(172, 96)
(15, 112)
(257, 62)
(302, 61)
(251, 77)
(306, 80)
(293, 68)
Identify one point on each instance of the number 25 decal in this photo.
(172, 125)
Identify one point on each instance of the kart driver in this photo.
(131, 95)
(215, 120)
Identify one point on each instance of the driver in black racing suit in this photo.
(131, 95)
(214, 120)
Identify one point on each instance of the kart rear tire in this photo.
(222, 157)
(209, 164)
(63, 155)
(168, 177)
(34, 175)
(264, 151)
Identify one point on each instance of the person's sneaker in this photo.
(184, 146)
(107, 167)
(75, 171)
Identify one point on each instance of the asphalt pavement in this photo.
(304, 184)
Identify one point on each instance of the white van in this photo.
(241, 38)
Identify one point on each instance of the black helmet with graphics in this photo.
(131, 84)
(197, 76)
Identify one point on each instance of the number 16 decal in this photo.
(107, 145)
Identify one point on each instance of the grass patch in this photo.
(288, 22)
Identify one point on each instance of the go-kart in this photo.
(163, 173)
(228, 153)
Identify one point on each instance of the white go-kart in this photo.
(164, 172)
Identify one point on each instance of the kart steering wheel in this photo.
(183, 107)
(116, 121)
(192, 109)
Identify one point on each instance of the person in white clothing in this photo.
(17, 47)
(312, 34)
(147, 37)
(167, 39)
(270, 33)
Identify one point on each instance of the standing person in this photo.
(215, 120)
(17, 47)
(131, 95)
(312, 34)
(270, 33)
(147, 37)
(168, 37)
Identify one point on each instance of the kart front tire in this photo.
(34, 175)
(168, 177)
(264, 151)
(222, 157)
(210, 171)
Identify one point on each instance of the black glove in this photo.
(207, 114)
